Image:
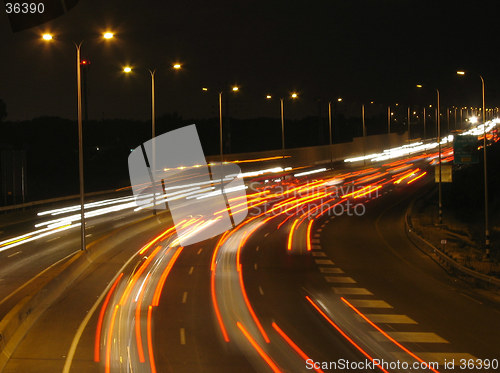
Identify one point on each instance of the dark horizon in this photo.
(361, 51)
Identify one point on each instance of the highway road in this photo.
(320, 271)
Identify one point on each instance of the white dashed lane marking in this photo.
(199, 251)
(329, 270)
(399, 336)
(318, 254)
(11, 255)
(352, 291)
(388, 319)
(324, 261)
(415, 337)
(368, 303)
(191, 270)
(183, 336)
(184, 297)
(341, 280)
(261, 291)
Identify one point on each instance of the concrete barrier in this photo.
(320, 155)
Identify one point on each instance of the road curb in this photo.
(442, 259)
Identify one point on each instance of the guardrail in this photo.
(52, 200)
(443, 259)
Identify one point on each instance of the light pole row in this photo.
(48, 38)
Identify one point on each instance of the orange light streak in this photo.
(134, 279)
(101, 318)
(150, 341)
(418, 177)
(250, 309)
(107, 365)
(308, 235)
(293, 345)
(386, 335)
(261, 352)
(342, 332)
(290, 235)
(367, 192)
(216, 308)
(407, 175)
(138, 336)
(164, 275)
(156, 239)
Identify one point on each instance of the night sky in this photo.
(359, 50)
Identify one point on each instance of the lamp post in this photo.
(235, 89)
(485, 171)
(152, 73)
(363, 119)
(388, 119)
(424, 123)
(438, 124)
(330, 131)
(78, 46)
(409, 124)
(294, 96)
(440, 202)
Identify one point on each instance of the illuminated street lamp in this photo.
(127, 69)
(486, 220)
(47, 37)
(294, 96)
(234, 89)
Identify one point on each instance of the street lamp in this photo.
(47, 37)
(389, 119)
(152, 73)
(424, 123)
(438, 124)
(409, 124)
(363, 119)
(234, 89)
(294, 96)
(486, 220)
